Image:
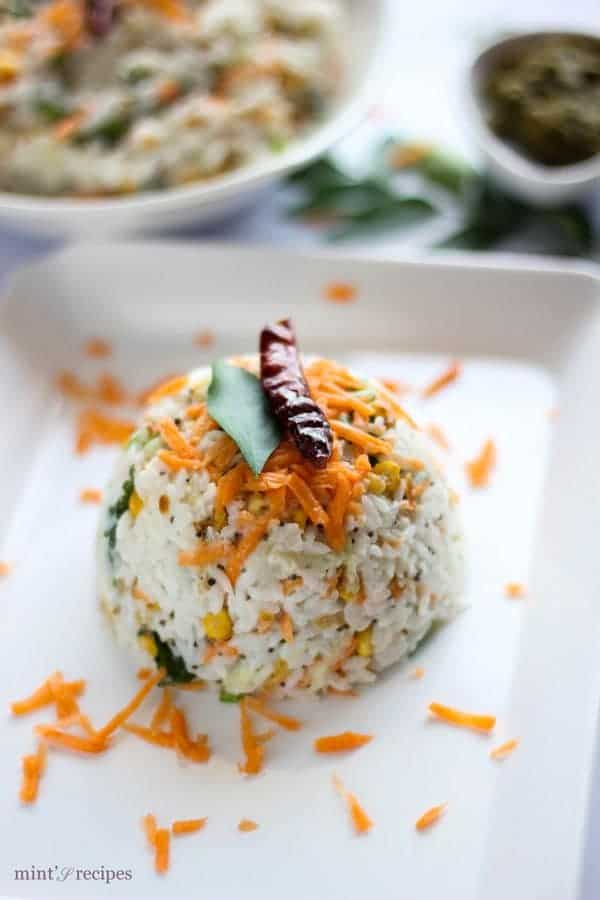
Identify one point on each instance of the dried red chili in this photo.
(284, 383)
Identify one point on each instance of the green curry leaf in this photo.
(238, 403)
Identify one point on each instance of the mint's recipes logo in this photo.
(72, 873)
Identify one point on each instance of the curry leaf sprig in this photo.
(353, 206)
(238, 403)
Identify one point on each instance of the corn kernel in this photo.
(390, 471)
(364, 642)
(376, 485)
(147, 643)
(136, 504)
(218, 626)
(10, 66)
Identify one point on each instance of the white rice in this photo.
(252, 75)
(389, 545)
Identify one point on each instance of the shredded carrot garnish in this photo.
(142, 674)
(172, 386)
(307, 500)
(205, 339)
(343, 401)
(4, 569)
(66, 18)
(109, 390)
(150, 828)
(334, 528)
(504, 749)
(204, 554)
(90, 495)
(162, 841)
(33, 768)
(367, 442)
(228, 487)
(93, 427)
(447, 377)
(286, 627)
(70, 385)
(195, 750)
(438, 436)
(396, 387)
(340, 743)
(193, 686)
(515, 590)
(417, 673)
(188, 826)
(336, 692)
(430, 817)
(247, 825)
(360, 820)
(287, 722)
(246, 546)
(479, 470)
(173, 461)
(53, 690)
(97, 348)
(170, 9)
(136, 701)
(253, 750)
(57, 738)
(158, 738)
(162, 712)
(174, 439)
(462, 719)
(340, 292)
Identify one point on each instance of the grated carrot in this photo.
(340, 292)
(336, 692)
(228, 487)
(430, 817)
(437, 435)
(504, 749)
(246, 546)
(164, 389)
(65, 17)
(287, 722)
(158, 738)
(188, 826)
(462, 719)
(90, 495)
(97, 348)
(47, 694)
(196, 751)
(253, 750)
(33, 766)
(360, 820)
(96, 427)
(162, 712)
(343, 401)
(4, 569)
(479, 470)
(446, 378)
(173, 461)
(193, 686)
(417, 673)
(109, 390)
(162, 842)
(340, 743)
(57, 738)
(150, 828)
(334, 529)
(247, 825)
(367, 442)
(286, 627)
(515, 590)
(205, 339)
(136, 701)
(204, 554)
(170, 9)
(307, 500)
(174, 439)
(142, 674)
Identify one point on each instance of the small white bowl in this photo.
(369, 27)
(533, 182)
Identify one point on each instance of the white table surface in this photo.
(434, 41)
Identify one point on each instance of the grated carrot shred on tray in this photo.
(462, 719)
(158, 738)
(188, 826)
(164, 389)
(246, 825)
(430, 817)
(359, 818)
(340, 292)
(53, 690)
(438, 436)
(4, 569)
(94, 427)
(162, 846)
(253, 750)
(479, 470)
(150, 828)
(33, 766)
(163, 710)
(504, 749)
(446, 378)
(340, 743)
(143, 673)
(97, 348)
(56, 737)
(136, 701)
(90, 495)
(109, 390)
(205, 339)
(417, 673)
(515, 590)
(261, 709)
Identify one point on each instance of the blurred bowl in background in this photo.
(511, 168)
(369, 27)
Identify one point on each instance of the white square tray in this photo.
(530, 339)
